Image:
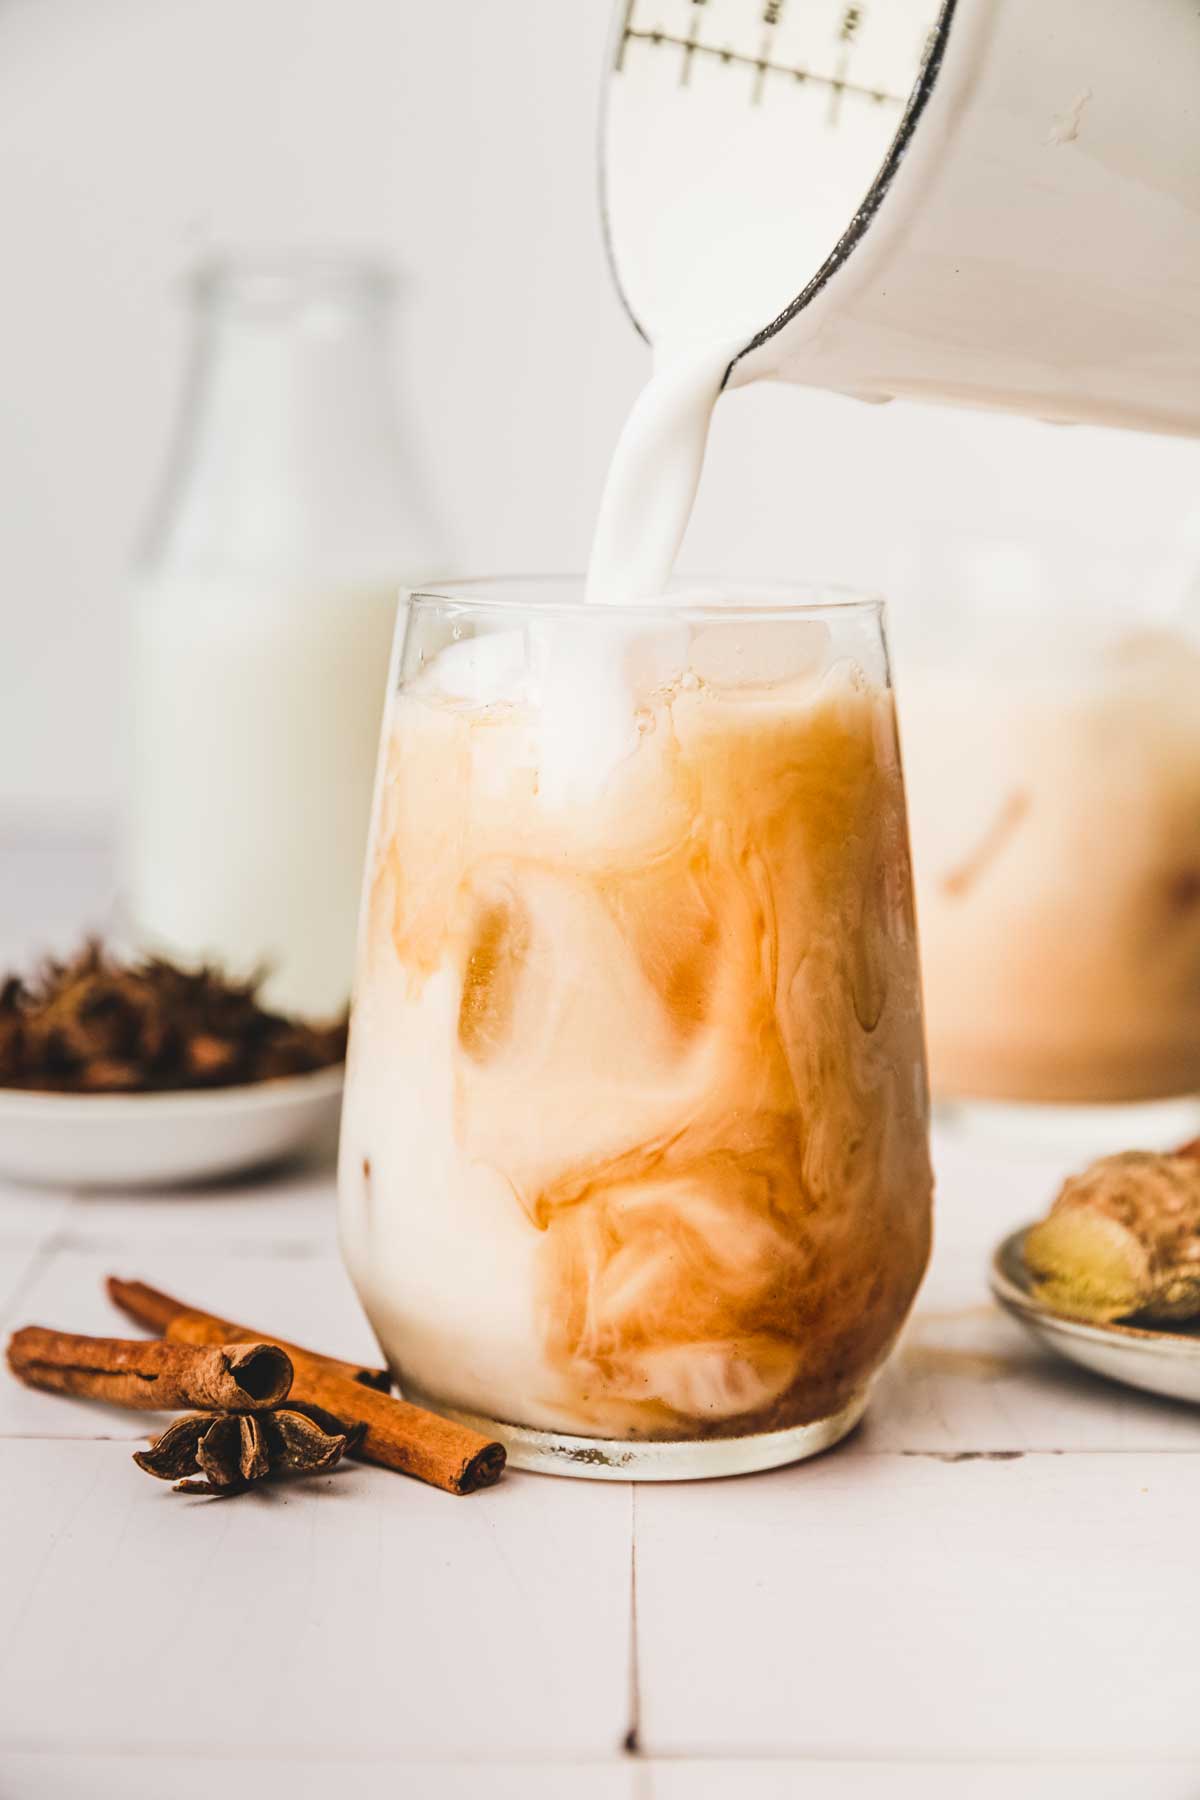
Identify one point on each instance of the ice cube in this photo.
(760, 654)
(585, 718)
(656, 659)
(480, 671)
(499, 949)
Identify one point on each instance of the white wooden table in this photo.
(993, 1589)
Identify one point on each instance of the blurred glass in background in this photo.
(1050, 703)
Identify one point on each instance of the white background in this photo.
(456, 136)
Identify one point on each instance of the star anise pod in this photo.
(99, 1024)
(234, 1450)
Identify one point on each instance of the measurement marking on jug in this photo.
(693, 40)
(619, 62)
(760, 79)
(771, 12)
(838, 84)
(851, 20)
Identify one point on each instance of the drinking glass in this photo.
(1051, 726)
(634, 1169)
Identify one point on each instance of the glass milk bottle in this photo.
(265, 598)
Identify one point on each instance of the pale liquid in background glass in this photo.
(1056, 834)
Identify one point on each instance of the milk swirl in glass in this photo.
(634, 1164)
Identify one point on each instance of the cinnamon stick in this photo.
(219, 1377)
(396, 1434)
(155, 1310)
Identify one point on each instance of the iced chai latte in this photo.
(634, 1151)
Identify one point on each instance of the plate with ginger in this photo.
(1110, 1278)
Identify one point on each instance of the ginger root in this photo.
(1121, 1239)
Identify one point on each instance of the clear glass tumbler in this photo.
(634, 1167)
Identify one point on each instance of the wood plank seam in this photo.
(631, 1743)
(35, 1268)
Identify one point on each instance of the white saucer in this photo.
(164, 1139)
(1163, 1360)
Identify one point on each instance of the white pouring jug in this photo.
(994, 203)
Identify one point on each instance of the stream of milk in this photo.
(584, 715)
(654, 474)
